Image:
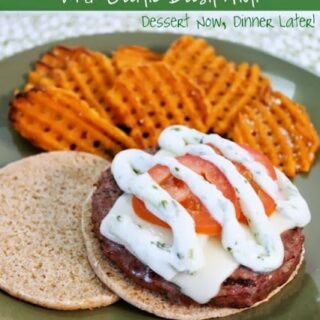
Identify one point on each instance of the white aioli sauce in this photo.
(175, 139)
(180, 255)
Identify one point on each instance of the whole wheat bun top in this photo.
(143, 298)
(42, 253)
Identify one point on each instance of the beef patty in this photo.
(242, 289)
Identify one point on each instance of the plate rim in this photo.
(214, 39)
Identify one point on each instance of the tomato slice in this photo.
(181, 192)
(258, 156)
(263, 159)
(204, 222)
(268, 203)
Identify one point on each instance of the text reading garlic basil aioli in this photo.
(180, 255)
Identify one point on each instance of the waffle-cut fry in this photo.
(228, 87)
(87, 73)
(301, 122)
(295, 121)
(80, 99)
(258, 128)
(278, 130)
(255, 132)
(60, 56)
(245, 87)
(196, 58)
(150, 97)
(131, 56)
(56, 119)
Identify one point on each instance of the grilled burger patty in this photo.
(242, 289)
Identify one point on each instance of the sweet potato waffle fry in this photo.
(282, 130)
(228, 87)
(103, 105)
(132, 56)
(244, 87)
(56, 119)
(150, 97)
(87, 73)
(196, 58)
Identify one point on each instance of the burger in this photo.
(202, 227)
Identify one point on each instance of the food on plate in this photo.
(89, 74)
(148, 98)
(131, 56)
(56, 119)
(228, 87)
(202, 228)
(244, 106)
(42, 254)
(282, 131)
(140, 92)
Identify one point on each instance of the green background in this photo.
(229, 5)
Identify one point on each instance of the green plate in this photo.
(301, 298)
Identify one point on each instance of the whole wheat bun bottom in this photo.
(145, 299)
(42, 253)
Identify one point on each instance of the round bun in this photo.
(145, 299)
(42, 254)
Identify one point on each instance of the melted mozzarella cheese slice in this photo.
(152, 245)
